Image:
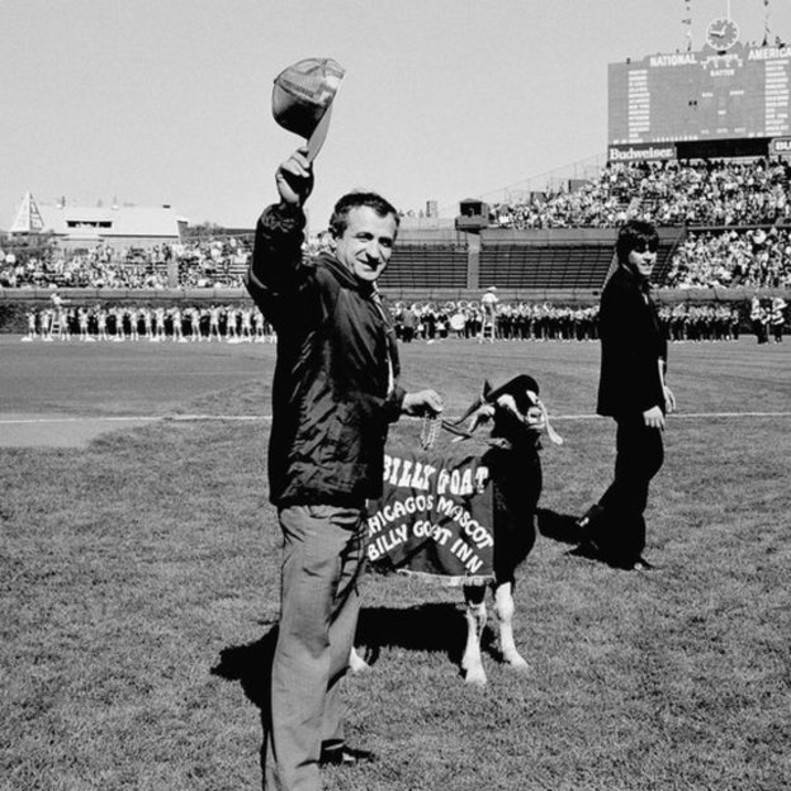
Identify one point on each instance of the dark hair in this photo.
(635, 235)
(354, 200)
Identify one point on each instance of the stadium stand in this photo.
(562, 266)
(557, 247)
(726, 258)
(426, 266)
(667, 192)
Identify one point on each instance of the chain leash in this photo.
(429, 429)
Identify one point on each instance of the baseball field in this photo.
(139, 584)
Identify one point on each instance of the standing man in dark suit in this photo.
(632, 390)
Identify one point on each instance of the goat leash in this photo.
(432, 425)
(430, 428)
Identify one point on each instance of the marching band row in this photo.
(176, 323)
(416, 321)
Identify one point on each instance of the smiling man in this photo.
(335, 392)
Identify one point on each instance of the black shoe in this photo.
(641, 564)
(344, 756)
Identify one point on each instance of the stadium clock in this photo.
(722, 34)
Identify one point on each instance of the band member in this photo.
(489, 310)
(777, 318)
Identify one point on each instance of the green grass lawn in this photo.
(139, 582)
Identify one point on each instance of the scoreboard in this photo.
(744, 92)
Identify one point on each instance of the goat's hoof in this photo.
(356, 663)
(476, 678)
(517, 663)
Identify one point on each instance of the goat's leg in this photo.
(476, 620)
(504, 607)
(356, 663)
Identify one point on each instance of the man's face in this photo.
(367, 243)
(642, 261)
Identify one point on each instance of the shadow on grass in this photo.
(564, 528)
(424, 627)
(251, 666)
(438, 627)
(559, 527)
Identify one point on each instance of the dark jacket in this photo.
(333, 394)
(632, 343)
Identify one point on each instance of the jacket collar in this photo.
(640, 283)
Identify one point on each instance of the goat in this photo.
(517, 418)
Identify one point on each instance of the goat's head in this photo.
(513, 409)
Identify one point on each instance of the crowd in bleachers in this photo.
(214, 262)
(667, 192)
(756, 258)
(98, 267)
(200, 263)
(715, 201)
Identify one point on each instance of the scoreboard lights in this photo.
(728, 90)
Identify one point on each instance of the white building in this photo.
(87, 226)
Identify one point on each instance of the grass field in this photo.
(139, 578)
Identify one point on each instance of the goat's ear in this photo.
(487, 388)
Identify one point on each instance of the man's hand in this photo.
(294, 179)
(424, 402)
(654, 418)
(670, 400)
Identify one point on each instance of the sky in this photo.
(151, 102)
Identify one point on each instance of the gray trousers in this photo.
(322, 563)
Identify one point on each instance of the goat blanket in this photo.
(434, 518)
